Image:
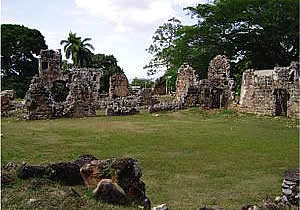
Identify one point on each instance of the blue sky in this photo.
(120, 27)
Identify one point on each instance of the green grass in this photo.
(189, 158)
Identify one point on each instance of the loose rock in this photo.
(70, 192)
(161, 207)
(84, 159)
(25, 172)
(110, 192)
(65, 172)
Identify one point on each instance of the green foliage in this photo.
(144, 83)
(109, 66)
(162, 46)
(79, 50)
(66, 65)
(252, 33)
(18, 65)
(252, 30)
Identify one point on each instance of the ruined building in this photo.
(76, 93)
(54, 93)
(274, 92)
(214, 92)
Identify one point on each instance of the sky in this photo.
(123, 28)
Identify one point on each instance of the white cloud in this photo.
(186, 3)
(128, 14)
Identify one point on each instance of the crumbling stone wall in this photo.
(83, 94)
(50, 65)
(145, 97)
(219, 69)
(122, 106)
(186, 78)
(214, 92)
(82, 86)
(273, 92)
(160, 87)
(39, 101)
(7, 97)
(118, 86)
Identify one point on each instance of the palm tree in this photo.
(84, 52)
(78, 50)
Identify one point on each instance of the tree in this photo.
(162, 45)
(79, 50)
(109, 66)
(253, 32)
(18, 64)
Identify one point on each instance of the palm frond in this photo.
(89, 45)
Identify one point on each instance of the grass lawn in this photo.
(189, 158)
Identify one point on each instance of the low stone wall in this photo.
(173, 106)
(122, 106)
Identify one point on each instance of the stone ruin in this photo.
(76, 93)
(119, 181)
(9, 105)
(215, 92)
(7, 98)
(115, 181)
(54, 93)
(160, 87)
(118, 86)
(273, 92)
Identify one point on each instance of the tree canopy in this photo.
(18, 64)
(252, 33)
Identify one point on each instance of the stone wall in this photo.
(79, 86)
(219, 69)
(160, 87)
(186, 77)
(273, 92)
(7, 97)
(118, 86)
(146, 98)
(122, 106)
(214, 92)
(50, 65)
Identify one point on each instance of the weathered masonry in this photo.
(118, 86)
(274, 92)
(55, 93)
(214, 92)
